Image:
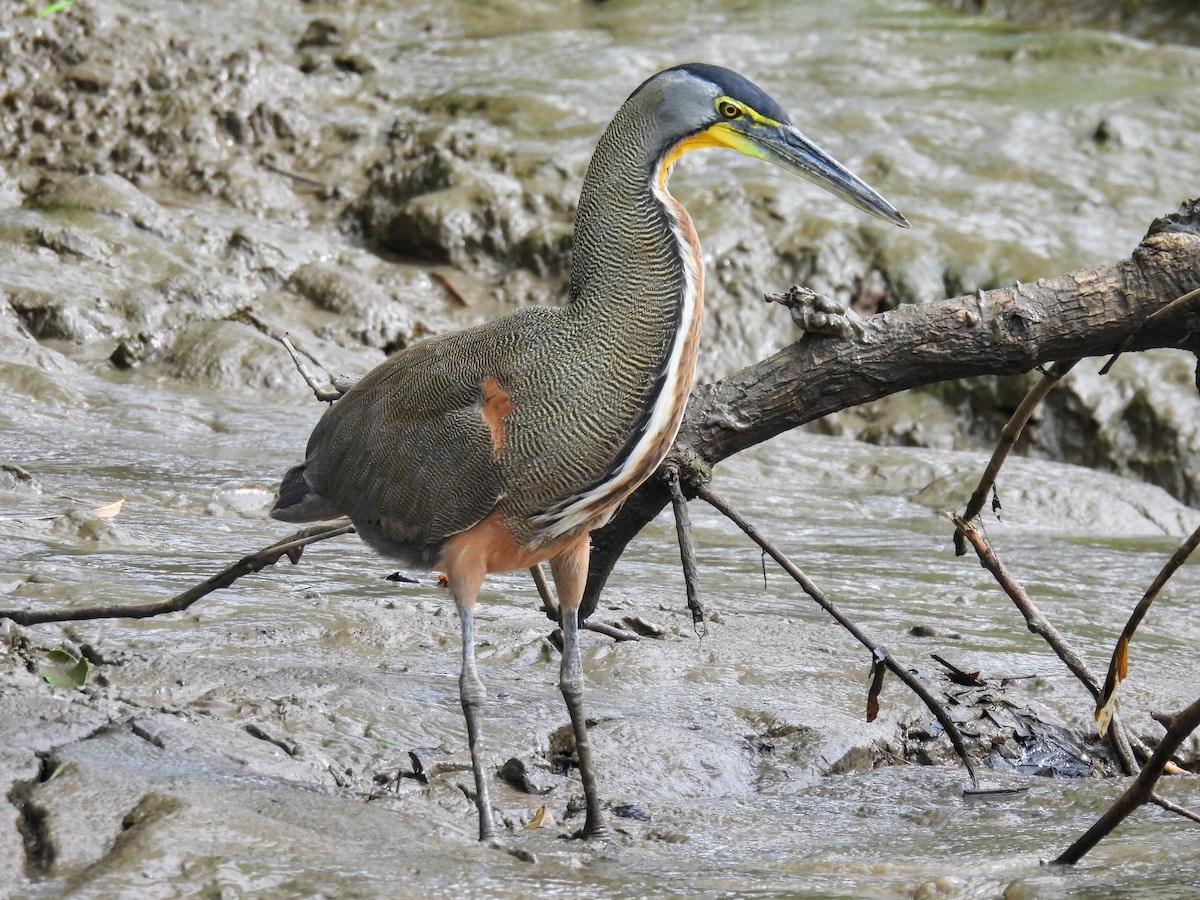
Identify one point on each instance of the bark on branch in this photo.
(1002, 332)
(1142, 789)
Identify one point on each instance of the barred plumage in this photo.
(406, 453)
(503, 445)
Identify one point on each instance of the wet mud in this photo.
(175, 195)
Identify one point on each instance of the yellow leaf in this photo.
(1118, 668)
(1121, 658)
(543, 818)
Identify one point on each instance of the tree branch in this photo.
(1171, 806)
(1009, 435)
(290, 546)
(687, 550)
(1001, 332)
(879, 654)
(1118, 666)
(1142, 789)
(1042, 626)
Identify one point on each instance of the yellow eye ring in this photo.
(728, 110)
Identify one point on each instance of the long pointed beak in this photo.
(787, 148)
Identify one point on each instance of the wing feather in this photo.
(407, 453)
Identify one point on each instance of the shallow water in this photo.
(984, 132)
(983, 135)
(678, 715)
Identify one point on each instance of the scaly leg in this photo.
(570, 575)
(473, 695)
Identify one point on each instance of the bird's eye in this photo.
(729, 110)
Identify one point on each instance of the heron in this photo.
(504, 445)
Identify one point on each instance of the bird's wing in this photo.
(410, 452)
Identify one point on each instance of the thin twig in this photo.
(550, 608)
(1042, 626)
(454, 292)
(549, 605)
(295, 176)
(1174, 304)
(325, 395)
(687, 550)
(290, 547)
(1009, 435)
(1172, 806)
(1118, 666)
(1140, 791)
(878, 651)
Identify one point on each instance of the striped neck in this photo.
(637, 290)
(627, 255)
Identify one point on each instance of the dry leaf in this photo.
(1118, 668)
(108, 510)
(1104, 715)
(543, 818)
(878, 670)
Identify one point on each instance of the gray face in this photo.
(679, 104)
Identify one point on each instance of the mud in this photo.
(1158, 20)
(176, 193)
(107, 103)
(302, 733)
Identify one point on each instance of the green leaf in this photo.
(64, 670)
(51, 8)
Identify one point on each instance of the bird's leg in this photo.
(473, 695)
(570, 575)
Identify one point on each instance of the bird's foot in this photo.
(817, 314)
(494, 842)
(600, 833)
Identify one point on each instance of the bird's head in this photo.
(699, 105)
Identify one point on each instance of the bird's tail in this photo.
(298, 501)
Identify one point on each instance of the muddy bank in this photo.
(175, 201)
(1141, 420)
(176, 194)
(1162, 21)
(221, 748)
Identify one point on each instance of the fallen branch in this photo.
(1001, 332)
(1042, 626)
(291, 547)
(612, 631)
(1118, 667)
(879, 653)
(1009, 435)
(1142, 789)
